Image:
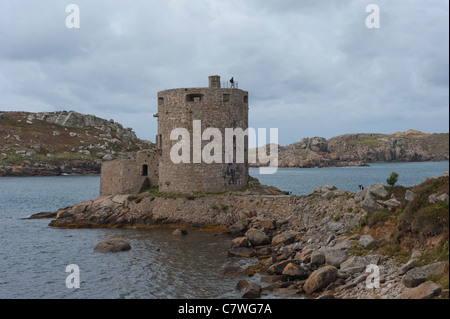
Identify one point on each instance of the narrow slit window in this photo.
(144, 170)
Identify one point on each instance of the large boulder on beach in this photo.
(179, 232)
(278, 267)
(335, 257)
(257, 237)
(320, 279)
(112, 245)
(426, 290)
(241, 252)
(253, 290)
(318, 258)
(416, 276)
(285, 238)
(294, 270)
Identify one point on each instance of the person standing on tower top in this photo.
(232, 83)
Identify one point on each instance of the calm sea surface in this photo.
(34, 256)
(301, 181)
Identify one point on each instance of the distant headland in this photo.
(68, 142)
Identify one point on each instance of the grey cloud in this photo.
(312, 68)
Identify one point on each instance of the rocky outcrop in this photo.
(361, 149)
(252, 291)
(304, 245)
(42, 215)
(320, 279)
(179, 232)
(75, 119)
(426, 290)
(112, 245)
(58, 143)
(416, 276)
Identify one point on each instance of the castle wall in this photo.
(129, 176)
(215, 107)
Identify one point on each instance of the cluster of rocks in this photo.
(369, 199)
(328, 191)
(318, 263)
(303, 245)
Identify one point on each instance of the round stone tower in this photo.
(215, 107)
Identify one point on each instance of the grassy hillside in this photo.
(33, 142)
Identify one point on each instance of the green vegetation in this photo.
(442, 279)
(353, 231)
(439, 253)
(395, 251)
(411, 225)
(392, 179)
(376, 218)
(370, 141)
(421, 216)
(418, 217)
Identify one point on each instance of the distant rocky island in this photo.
(68, 142)
(364, 148)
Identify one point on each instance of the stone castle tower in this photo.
(215, 107)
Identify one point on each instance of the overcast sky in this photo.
(312, 68)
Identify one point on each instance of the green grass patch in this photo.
(395, 251)
(421, 216)
(376, 218)
(442, 279)
(439, 253)
(371, 141)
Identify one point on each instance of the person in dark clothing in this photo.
(232, 82)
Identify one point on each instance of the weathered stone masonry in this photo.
(216, 107)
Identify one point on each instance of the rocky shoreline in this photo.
(76, 167)
(315, 246)
(362, 149)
